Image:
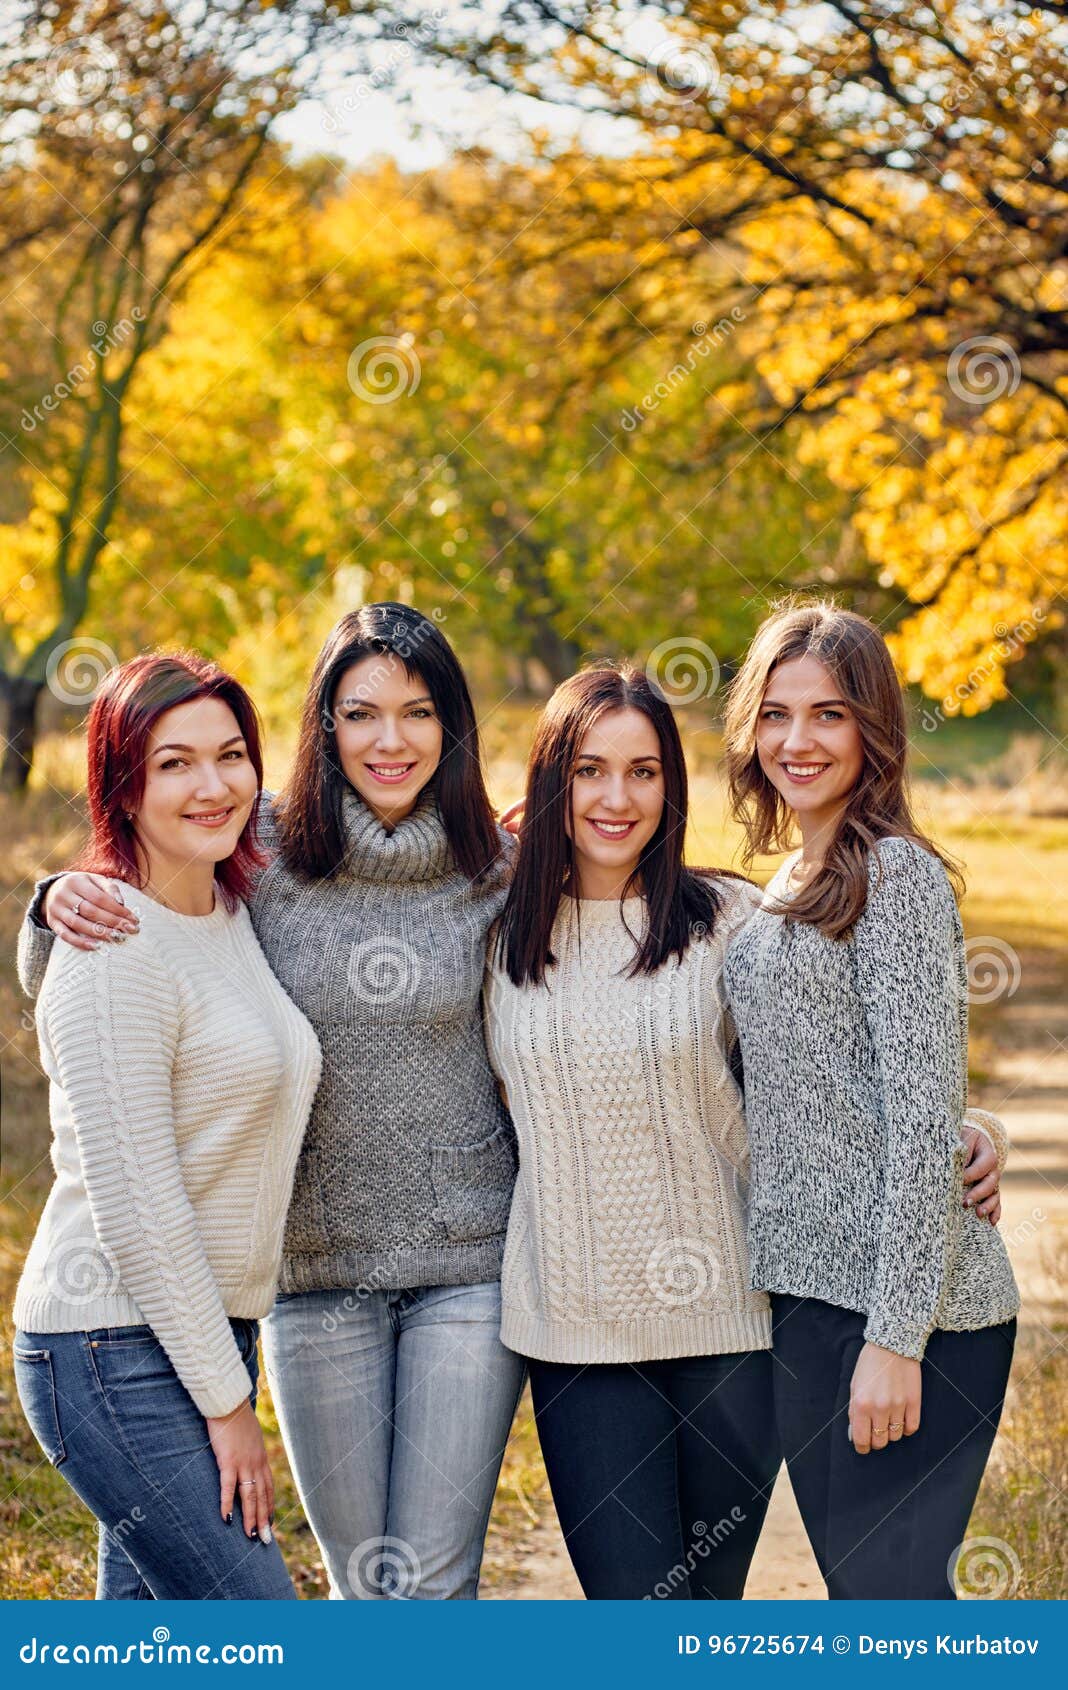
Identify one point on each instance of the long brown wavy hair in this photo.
(854, 652)
(680, 902)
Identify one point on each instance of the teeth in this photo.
(806, 768)
(394, 772)
(614, 827)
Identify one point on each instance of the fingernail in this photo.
(119, 936)
(254, 1536)
(229, 1519)
(266, 1534)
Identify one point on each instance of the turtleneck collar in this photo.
(417, 849)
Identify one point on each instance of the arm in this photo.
(719, 1093)
(910, 973)
(35, 941)
(113, 1041)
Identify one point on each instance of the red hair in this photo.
(130, 702)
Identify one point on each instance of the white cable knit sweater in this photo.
(626, 1240)
(181, 1080)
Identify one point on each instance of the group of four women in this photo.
(452, 1104)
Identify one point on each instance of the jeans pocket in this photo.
(36, 1385)
(473, 1185)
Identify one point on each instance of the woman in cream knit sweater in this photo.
(625, 1278)
(181, 1079)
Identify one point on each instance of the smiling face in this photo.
(617, 794)
(199, 789)
(388, 734)
(808, 740)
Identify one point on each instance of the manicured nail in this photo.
(265, 1534)
(254, 1536)
(119, 936)
(230, 1519)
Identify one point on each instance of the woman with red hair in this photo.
(181, 1080)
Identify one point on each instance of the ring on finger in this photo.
(896, 1426)
(245, 1482)
(76, 906)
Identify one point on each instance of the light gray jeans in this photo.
(395, 1407)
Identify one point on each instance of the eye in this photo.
(234, 753)
(172, 763)
(420, 710)
(587, 769)
(645, 773)
(356, 715)
(773, 715)
(833, 715)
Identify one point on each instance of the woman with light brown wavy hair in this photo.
(893, 1303)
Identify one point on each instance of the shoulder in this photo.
(134, 970)
(909, 889)
(738, 900)
(895, 861)
(267, 821)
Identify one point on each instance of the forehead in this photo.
(380, 678)
(801, 679)
(625, 734)
(200, 721)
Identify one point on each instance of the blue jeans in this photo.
(395, 1407)
(108, 1409)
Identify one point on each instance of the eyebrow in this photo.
(222, 747)
(772, 704)
(369, 705)
(591, 758)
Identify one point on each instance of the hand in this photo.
(237, 1443)
(884, 1399)
(100, 915)
(981, 1175)
(512, 817)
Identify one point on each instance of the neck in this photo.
(818, 828)
(598, 881)
(184, 887)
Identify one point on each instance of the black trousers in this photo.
(885, 1524)
(660, 1471)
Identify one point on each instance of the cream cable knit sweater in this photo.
(181, 1080)
(626, 1240)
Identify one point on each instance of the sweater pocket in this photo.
(473, 1185)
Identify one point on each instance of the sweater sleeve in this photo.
(720, 1097)
(910, 969)
(113, 1035)
(35, 941)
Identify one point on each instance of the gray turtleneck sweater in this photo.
(406, 1172)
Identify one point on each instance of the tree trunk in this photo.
(20, 696)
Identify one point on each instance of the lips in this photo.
(803, 774)
(611, 830)
(211, 818)
(390, 774)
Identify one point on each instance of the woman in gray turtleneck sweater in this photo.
(394, 1392)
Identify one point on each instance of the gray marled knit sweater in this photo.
(406, 1172)
(855, 1055)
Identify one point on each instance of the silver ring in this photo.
(243, 1482)
(76, 906)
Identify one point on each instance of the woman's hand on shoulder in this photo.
(83, 911)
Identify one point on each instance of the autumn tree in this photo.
(880, 188)
(133, 133)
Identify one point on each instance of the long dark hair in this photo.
(855, 654)
(679, 903)
(130, 702)
(311, 827)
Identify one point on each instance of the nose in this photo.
(613, 793)
(798, 737)
(211, 784)
(390, 738)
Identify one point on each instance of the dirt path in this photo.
(1030, 1093)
